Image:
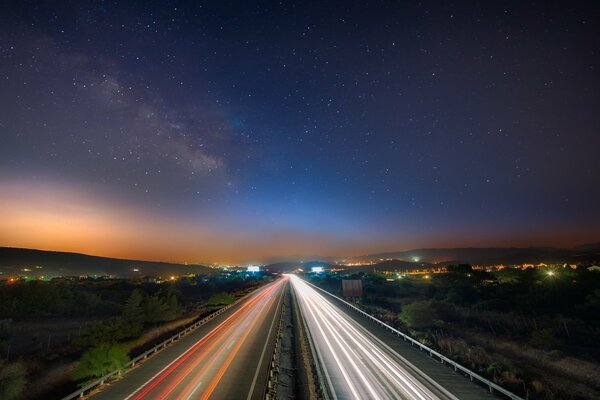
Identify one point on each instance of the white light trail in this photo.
(359, 365)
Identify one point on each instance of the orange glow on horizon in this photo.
(67, 218)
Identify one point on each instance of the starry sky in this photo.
(194, 131)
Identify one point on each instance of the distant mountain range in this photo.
(15, 261)
(489, 256)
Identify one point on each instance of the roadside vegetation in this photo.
(533, 331)
(64, 334)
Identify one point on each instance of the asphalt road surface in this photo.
(228, 358)
(355, 363)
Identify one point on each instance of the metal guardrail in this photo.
(472, 375)
(132, 363)
(273, 376)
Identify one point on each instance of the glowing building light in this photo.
(253, 268)
(317, 269)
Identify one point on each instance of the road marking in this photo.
(217, 378)
(195, 388)
(195, 346)
(262, 354)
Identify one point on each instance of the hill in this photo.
(13, 261)
(491, 255)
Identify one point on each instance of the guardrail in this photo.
(472, 375)
(142, 357)
(273, 376)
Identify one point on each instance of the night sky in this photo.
(232, 131)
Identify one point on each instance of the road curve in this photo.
(229, 358)
(355, 363)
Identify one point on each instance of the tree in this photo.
(100, 361)
(134, 312)
(460, 268)
(156, 309)
(420, 315)
(174, 309)
(12, 380)
(109, 331)
(5, 331)
(592, 300)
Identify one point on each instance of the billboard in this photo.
(253, 268)
(352, 287)
(317, 269)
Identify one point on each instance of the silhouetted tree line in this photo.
(104, 339)
(123, 309)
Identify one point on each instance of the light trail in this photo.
(358, 365)
(199, 372)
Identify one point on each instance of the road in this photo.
(355, 363)
(226, 359)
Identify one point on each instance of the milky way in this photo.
(189, 131)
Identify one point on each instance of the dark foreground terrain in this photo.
(57, 335)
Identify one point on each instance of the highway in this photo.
(226, 359)
(355, 363)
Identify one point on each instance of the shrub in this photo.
(427, 314)
(419, 315)
(544, 339)
(12, 380)
(552, 355)
(222, 298)
(100, 361)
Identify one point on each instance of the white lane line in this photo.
(367, 359)
(347, 351)
(193, 391)
(407, 374)
(262, 355)
(384, 366)
(331, 351)
(319, 355)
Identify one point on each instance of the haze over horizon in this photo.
(184, 131)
